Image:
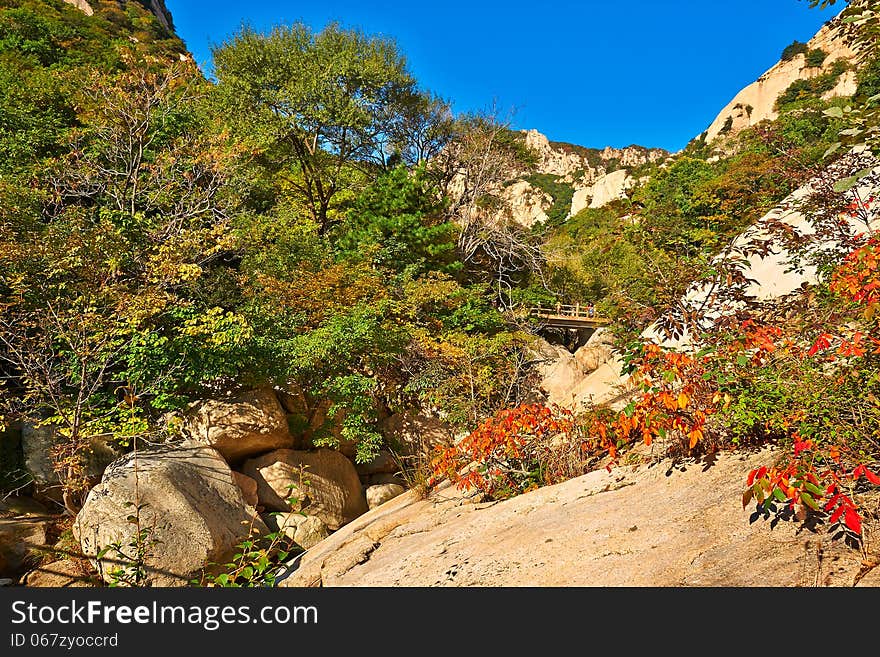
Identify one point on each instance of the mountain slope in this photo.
(758, 101)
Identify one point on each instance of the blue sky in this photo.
(592, 73)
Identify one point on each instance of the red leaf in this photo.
(873, 478)
(751, 478)
(822, 342)
(830, 504)
(852, 521)
(836, 515)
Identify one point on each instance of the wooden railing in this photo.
(576, 311)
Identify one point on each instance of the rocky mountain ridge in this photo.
(757, 101)
(156, 7)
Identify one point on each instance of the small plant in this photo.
(130, 557)
(256, 563)
(258, 559)
(794, 49)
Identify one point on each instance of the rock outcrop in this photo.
(637, 525)
(757, 101)
(607, 188)
(192, 514)
(525, 204)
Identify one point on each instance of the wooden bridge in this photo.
(568, 316)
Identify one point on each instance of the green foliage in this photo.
(794, 49)
(815, 57)
(397, 223)
(810, 88)
(560, 192)
(319, 108)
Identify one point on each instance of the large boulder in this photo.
(305, 531)
(598, 350)
(558, 372)
(322, 483)
(381, 493)
(251, 423)
(192, 512)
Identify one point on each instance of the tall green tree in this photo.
(323, 110)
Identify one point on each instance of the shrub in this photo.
(816, 57)
(515, 451)
(794, 49)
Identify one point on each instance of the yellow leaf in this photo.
(682, 400)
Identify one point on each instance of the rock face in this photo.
(771, 276)
(610, 187)
(525, 204)
(591, 173)
(18, 536)
(413, 433)
(156, 6)
(248, 424)
(323, 482)
(191, 507)
(607, 188)
(568, 161)
(595, 530)
(67, 573)
(756, 102)
(82, 5)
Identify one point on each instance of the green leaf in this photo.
(813, 488)
(742, 360)
(832, 150)
(779, 495)
(834, 112)
(845, 184)
(630, 409)
(807, 499)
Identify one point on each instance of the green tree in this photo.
(398, 223)
(322, 110)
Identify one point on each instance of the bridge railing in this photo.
(576, 311)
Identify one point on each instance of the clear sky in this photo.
(594, 73)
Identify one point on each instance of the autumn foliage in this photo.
(514, 451)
